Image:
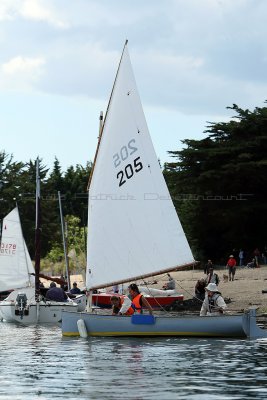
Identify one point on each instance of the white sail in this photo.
(133, 228)
(15, 262)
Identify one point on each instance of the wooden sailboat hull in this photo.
(232, 326)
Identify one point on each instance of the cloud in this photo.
(38, 10)
(21, 72)
(187, 55)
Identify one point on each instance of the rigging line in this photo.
(188, 292)
(160, 306)
(176, 281)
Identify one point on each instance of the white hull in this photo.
(44, 312)
(49, 312)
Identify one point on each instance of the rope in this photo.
(160, 306)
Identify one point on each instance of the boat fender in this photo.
(82, 328)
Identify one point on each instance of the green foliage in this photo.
(18, 185)
(75, 234)
(56, 254)
(219, 183)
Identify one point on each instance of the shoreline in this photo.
(244, 292)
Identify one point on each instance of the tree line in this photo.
(18, 186)
(218, 186)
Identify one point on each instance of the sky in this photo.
(58, 59)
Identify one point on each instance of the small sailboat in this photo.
(25, 304)
(133, 228)
(16, 267)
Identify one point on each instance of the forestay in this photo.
(133, 228)
(15, 262)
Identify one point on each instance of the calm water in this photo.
(37, 363)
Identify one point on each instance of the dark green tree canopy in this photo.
(219, 184)
(18, 186)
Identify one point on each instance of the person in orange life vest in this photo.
(121, 305)
(231, 265)
(138, 300)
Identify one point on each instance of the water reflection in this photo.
(39, 363)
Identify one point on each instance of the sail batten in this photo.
(133, 228)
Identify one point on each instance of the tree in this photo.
(223, 179)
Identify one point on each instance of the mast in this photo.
(64, 240)
(97, 148)
(101, 123)
(37, 238)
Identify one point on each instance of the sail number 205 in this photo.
(131, 168)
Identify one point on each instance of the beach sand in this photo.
(245, 291)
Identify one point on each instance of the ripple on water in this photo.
(40, 364)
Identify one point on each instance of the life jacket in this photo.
(136, 303)
(213, 306)
(130, 310)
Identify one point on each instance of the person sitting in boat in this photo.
(138, 300)
(75, 289)
(214, 303)
(170, 285)
(55, 293)
(200, 289)
(121, 305)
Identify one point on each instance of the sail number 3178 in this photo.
(131, 168)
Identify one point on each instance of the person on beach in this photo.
(252, 263)
(121, 305)
(231, 265)
(214, 303)
(241, 257)
(170, 285)
(212, 277)
(200, 289)
(55, 293)
(138, 300)
(207, 267)
(257, 255)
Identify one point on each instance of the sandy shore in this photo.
(245, 291)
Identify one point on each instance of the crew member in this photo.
(138, 300)
(213, 303)
(121, 305)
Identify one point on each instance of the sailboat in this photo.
(25, 304)
(16, 268)
(133, 228)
